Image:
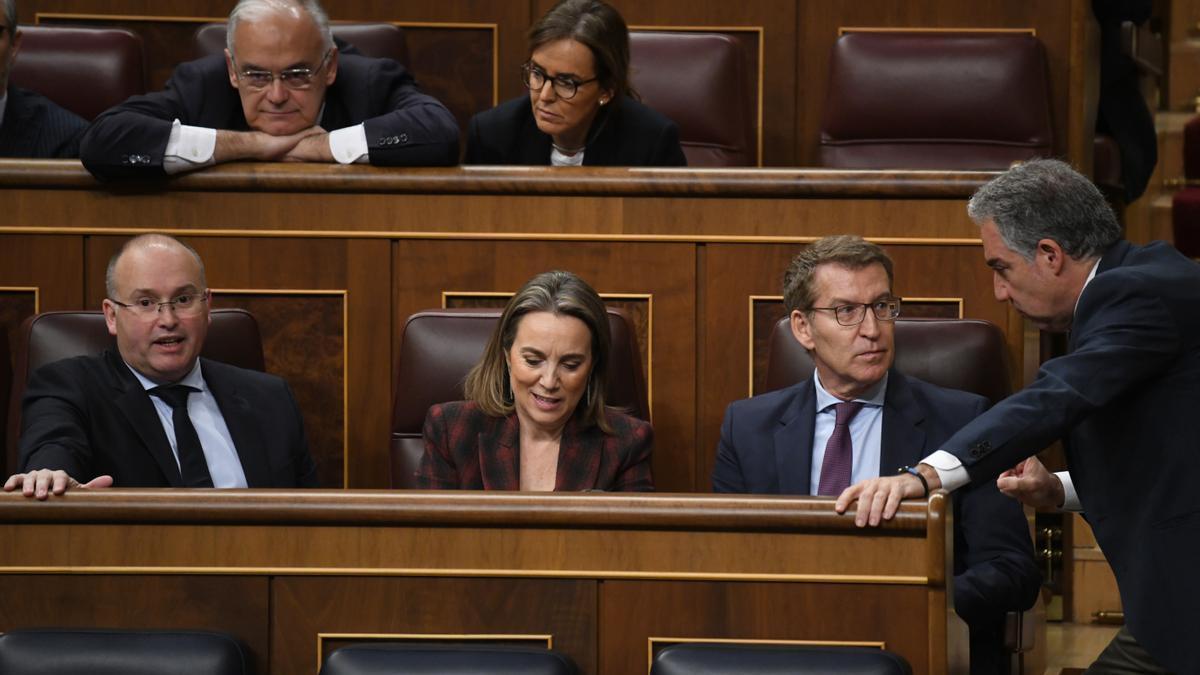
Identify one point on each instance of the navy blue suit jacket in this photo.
(1124, 398)
(404, 126)
(89, 416)
(766, 448)
(624, 134)
(36, 127)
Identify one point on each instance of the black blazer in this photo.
(36, 127)
(625, 133)
(1124, 399)
(404, 126)
(765, 448)
(89, 416)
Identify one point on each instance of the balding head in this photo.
(164, 241)
(250, 11)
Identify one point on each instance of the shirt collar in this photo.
(195, 378)
(1091, 275)
(873, 396)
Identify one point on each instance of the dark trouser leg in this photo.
(1124, 656)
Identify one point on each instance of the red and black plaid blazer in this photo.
(468, 449)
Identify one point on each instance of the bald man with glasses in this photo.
(282, 92)
(153, 413)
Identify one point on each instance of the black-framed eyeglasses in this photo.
(566, 87)
(292, 78)
(184, 304)
(854, 314)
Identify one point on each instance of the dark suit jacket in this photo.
(1125, 398)
(89, 416)
(468, 449)
(765, 447)
(404, 127)
(36, 127)
(625, 134)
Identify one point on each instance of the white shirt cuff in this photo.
(349, 145)
(950, 470)
(189, 148)
(1070, 497)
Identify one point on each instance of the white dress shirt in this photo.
(191, 147)
(866, 433)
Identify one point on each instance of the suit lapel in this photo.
(134, 403)
(794, 439)
(240, 420)
(497, 446)
(903, 439)
(578, 458)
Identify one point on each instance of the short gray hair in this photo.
(110, 281)
(1046, 199)
(10, 15)
(249, 10)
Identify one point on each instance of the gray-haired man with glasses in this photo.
(857, 417)
(153, 413)
(282, 92)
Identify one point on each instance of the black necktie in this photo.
(192, 465)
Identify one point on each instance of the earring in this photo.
(603, 101)
(587, 395)
(508, 395)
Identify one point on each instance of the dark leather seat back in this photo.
(964, 354)
(85, 70)
(120, 652)
(954, 101)
(377, 40)
(698, 80)
(439, 347)
(699, 658)
(420, 659)
(233, 338)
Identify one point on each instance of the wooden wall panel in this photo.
(314, 615)
(235, 605)
(637, 617)
(666, 272)
(299, 273)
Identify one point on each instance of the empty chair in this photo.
(85, 70)
(954, 101)
(964, 354)
(233, 338)
(377, 40)
(698, 80)
(422, 659)
(120, 652)
(700, 658)
(437, 349)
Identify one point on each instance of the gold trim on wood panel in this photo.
(345, 294)
(37, 294)
(648, 297)
(750, 341)
(842, 30)
(757, 641)
(428, 637)
(762, 38)
(884, 580)
(941, 301)
(485, 236)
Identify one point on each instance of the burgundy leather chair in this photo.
(233, 338)
(701, 658)
(698, 80)
(85, 70)
(439, 346)
(378, 40)
(920, 100)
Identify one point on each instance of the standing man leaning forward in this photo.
(281, 93)
(155, 414)
(858, 417)
(1123, 399)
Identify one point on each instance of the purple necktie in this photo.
(835, 468)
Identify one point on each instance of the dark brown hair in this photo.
(599, 27)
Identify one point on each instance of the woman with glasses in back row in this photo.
(581, 110)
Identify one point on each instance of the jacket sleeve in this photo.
(636, 474)
(415, 130)
(727, 471)
(54, 431)
(437, 470)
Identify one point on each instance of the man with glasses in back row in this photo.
(857, 417)
(154, 414)
(282, 93)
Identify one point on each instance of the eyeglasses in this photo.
(292, 78)
(854, 314)
(566, 87)
(184, 304)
